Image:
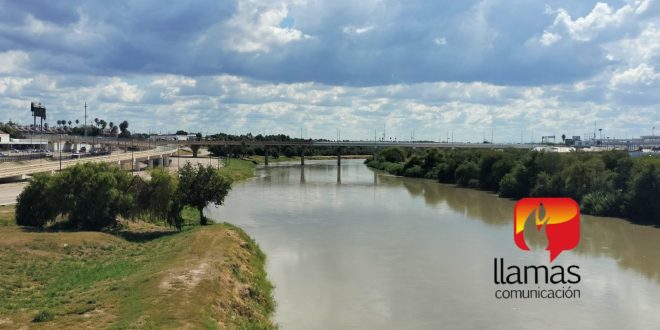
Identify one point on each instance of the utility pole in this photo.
(132, 157)
(85, 119)
(59, 144)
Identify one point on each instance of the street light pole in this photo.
(60, 145)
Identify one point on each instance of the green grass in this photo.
(7, 216)
(99, 280)
(261, 159)
(238, 169)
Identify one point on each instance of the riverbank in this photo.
(604, 184)
(140, 276)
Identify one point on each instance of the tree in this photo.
(96, 121)
(155, 197)
(35, 205)
(69, 123)
(643, 191)
(92, 195)
(103, 123)
(77, 121)
(123, 125)
(199, 186)
(563, 138)
(467, 174)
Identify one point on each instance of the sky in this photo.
(516, 69)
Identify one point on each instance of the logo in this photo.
(558, 218)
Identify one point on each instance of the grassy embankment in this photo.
(143, 276)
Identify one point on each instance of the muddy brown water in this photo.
(373, 251)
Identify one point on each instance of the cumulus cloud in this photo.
(254, 65)
(601, 18)
(255, 27)
(549, 38)
(13, 62)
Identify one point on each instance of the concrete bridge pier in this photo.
(166, 161)
(302, 156)
(266, 156)
(150, 163)
(160, 162)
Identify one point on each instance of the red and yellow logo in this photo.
(558, 218)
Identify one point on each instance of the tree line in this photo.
(92, 196)
(604, 183)
(275, 151)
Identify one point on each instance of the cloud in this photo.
(13, 62)
(257, 27)
(549, 38)
(357, 30)
(256, 65)
(642, 74)
(601, 18)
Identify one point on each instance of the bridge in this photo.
(129, 160)
(127, 143)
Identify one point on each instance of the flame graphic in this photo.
(535, 225)
(556, 220)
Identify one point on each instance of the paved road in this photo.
(19, 170)
(9, 192)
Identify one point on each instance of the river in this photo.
(367, 250)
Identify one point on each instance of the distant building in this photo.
(7, 143)
(555, 149)
(171, 137)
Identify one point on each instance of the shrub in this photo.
(43, 316)
(94, 194)
(393, 155)
(90, 194)
(416, 172)
(516, 184)
(643, 191)
(393, 168)
(547, 185)
(602, 203)
(467, 172)
(35, 205)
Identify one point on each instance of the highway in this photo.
(52, 166)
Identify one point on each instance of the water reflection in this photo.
(352, 248)
(635, 247)
(475, 204)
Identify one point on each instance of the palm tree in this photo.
(563, 137)
(77, 121)
(69, 123)
(96, 121)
